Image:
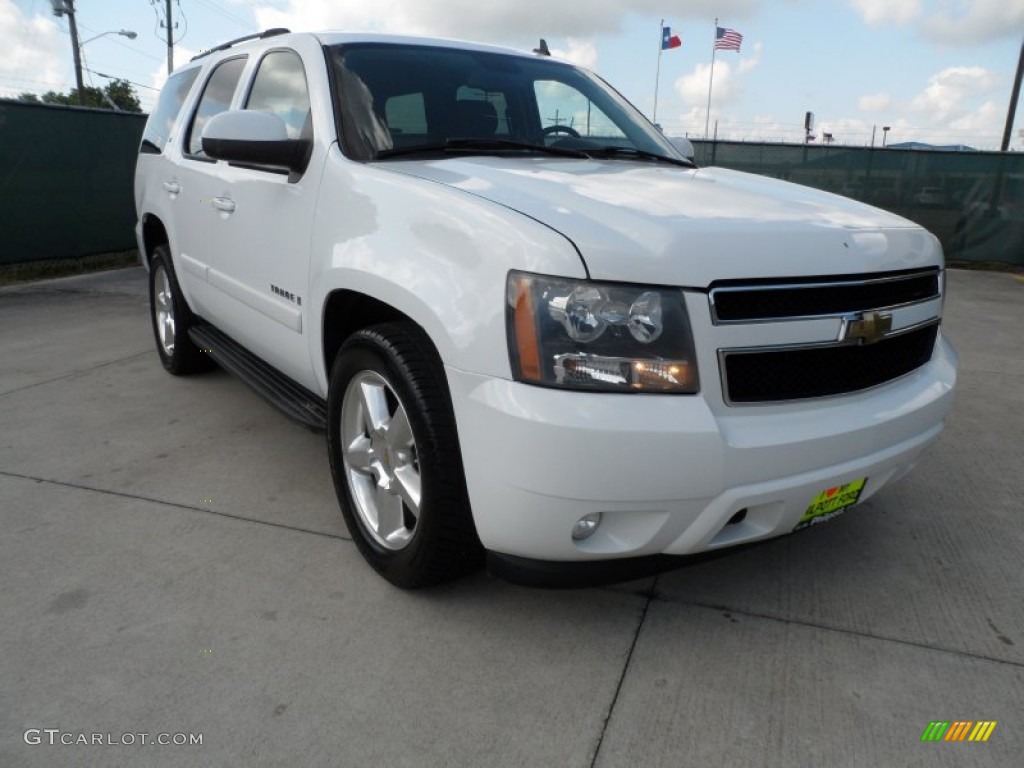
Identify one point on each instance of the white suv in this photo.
(530, 327)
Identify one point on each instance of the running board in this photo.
(293, 400)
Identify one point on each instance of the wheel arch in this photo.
(154, 233)
(347, 311)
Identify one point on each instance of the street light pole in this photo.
(60, 7)
(885, 134)
(122, 32)
(78, 49)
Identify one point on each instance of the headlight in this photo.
(580, 334)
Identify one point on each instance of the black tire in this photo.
(437, 541)
(177, 352)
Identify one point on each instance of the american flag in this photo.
(727, 40)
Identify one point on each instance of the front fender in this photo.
(437, 254)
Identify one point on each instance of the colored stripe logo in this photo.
(959, 730)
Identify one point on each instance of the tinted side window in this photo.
(161, 120)
(280, 89)
(216, 99)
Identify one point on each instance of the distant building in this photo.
(933, 147)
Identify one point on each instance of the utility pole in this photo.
(60, 7)
(70, 6)
(170, 40)
(1011, 113)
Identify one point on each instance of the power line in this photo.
(48, 83)
(216, 8)
(118, 77)
(184, 18)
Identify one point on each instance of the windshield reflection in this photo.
(398, 100)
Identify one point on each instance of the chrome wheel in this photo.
(163, 308)
(380, 459)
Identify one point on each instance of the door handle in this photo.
(225, 204)
(172, 186)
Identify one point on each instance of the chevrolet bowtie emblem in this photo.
(865, 327)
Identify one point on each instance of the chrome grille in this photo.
(777, 374)
(789, 299)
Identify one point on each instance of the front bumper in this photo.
(669, 472)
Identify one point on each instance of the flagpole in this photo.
(657, 76)
(711, 80)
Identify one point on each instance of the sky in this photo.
(936, 71)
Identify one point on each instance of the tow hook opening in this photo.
(738, 518)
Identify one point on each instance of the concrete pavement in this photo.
(173, 561)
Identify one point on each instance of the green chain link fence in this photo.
(972, 201)
(66, 184)
(66, 181)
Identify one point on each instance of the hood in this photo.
(659, 224)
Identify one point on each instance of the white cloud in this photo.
(693, 88)
(751, 59)
(949, 93)
(728, 89)
(728, 86)
(976, 21)
(34, 51)
(521, 22)
(956, 22)
(181, 56)
(581, 52)
(982, 119)
(874, 102)
(879, 12)
(844, 130)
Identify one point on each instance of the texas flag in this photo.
(668, 40)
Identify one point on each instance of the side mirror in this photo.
(255, 138)
(684, 145)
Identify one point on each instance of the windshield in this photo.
(398, 101)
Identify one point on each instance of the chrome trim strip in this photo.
(828, 284)
(830, 316)
(724, 353)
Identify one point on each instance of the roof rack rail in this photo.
(259, 35)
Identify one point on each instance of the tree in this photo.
(118, 91)
(121, 93)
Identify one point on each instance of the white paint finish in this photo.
(439, 255)
(565, 454)
(243, 125)
(193, 267)
(272, 307)
(639, 222)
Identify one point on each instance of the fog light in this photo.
(586, 526)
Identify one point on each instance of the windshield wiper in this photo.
(631, 153)
(480, 145)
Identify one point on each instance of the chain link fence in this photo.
(67, 175)
(972, 201)
(66, 180)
